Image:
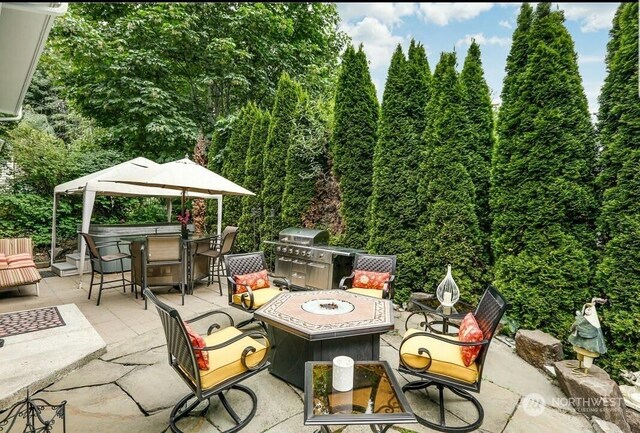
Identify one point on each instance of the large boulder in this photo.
(418, 296)
(538, 348)
(602, 426)
(633, 418)
(594, 395)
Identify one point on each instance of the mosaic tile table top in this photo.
(291, 311)
(22, 322)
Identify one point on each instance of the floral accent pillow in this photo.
(255, 281)
(197, 342)
(470, 332)
(370, 280)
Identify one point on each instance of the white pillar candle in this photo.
(447, 299)
(587, 361)
(342, 373)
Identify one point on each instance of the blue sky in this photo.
(448, 26)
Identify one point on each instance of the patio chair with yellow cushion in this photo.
(453, 362)
(249, 284)
(372, 275)
(213, 364)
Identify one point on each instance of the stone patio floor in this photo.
(131, 388)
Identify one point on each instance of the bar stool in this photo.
(215, 252)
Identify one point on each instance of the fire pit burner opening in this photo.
(327, 307)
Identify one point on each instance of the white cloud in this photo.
(596, 58)
(505, 23)
(377, 39)
(481, 39)
(442, 13)
(389, 14)
(592, 16)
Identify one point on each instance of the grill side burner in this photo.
(303, 256)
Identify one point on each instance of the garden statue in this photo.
(586, 336)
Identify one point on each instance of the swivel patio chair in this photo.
(245, 268)
(233, 356)
(214, 249)
(372, 275)
(438, 361)
(100, 260)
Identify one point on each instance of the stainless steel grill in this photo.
(303, 256)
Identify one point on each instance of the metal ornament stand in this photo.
(31, 410)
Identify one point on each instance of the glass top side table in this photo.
(445, 315)
(376, 398)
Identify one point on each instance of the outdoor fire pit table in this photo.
(320, 325)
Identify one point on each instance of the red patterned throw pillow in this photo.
(469, 332)
(370, 280)
(197, 342)
(255, 281)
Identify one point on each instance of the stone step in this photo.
(74, 259)
(64, 269)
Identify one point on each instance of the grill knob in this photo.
(277, 248)
(290, 250)
(297, 252)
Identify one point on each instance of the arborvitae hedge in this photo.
(219, 140)
(233, 165)
(249, 237)
(352, 143)
(618, 274)
(394, 209)
(449, 230)
(281, 132)
(477, 103)
(305, 158)
(543, 198)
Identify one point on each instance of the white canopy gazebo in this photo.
(104, 182)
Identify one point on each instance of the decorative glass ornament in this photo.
(448, 292)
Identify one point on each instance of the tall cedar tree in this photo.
(543, 200)
(618, 274)
(477, 104)
(219, 140)
(394, 209)
(449, 230)
(354, 137)
(305, 160)
(281, 132)
(233, 164)
(249, 237)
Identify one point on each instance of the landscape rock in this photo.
(594, 395)
(633, 419)
(602, 426)
(538, 348)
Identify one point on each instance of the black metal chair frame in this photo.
(247, 263)
(183, 360)
(144, 251)
(214, 251)
(31, 410)
(96, 265)
(488, 313)
(373, 263)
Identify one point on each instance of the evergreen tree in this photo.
(618, 274)
(543, 199)
(477, 105)
(354, 137)
(304, 162)
(394, 209)
(281, 131)
(249, 237)
(233, 165)
(219, 139)
(449, 230)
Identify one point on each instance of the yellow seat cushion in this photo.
(260, 297)
(367, 292)
(225, 363)
(446, 358)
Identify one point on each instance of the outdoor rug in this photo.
(23, 322)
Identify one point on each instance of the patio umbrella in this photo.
(184, 175)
